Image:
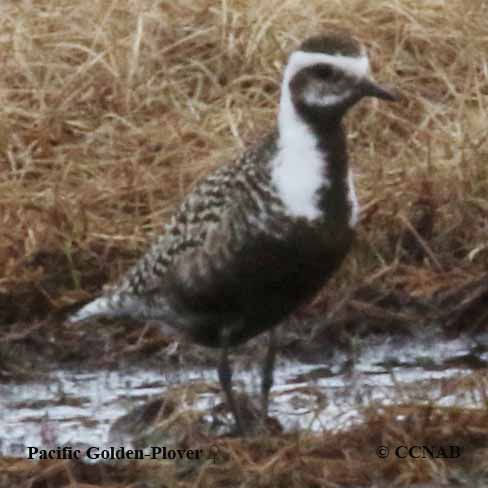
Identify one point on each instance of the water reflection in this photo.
(78, 408)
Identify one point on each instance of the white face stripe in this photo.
(357, 66)
(312, 97)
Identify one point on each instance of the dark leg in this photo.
(225, 377)
(268, 367)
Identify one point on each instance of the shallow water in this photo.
(77, 408)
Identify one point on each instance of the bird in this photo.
(258, 237)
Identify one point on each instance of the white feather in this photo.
(313, 97)
(357, 66)
(298, 168)
(351, 195)
(97, 307)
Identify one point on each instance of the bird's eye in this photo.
(324, 71)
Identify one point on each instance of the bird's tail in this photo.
(99, 307)
(121, 304)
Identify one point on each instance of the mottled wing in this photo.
(188, 229)
(207, 227)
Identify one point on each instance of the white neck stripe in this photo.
(299, 169)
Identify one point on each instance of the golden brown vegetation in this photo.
(111, 110)
(327, 460)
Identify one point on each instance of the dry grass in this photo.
(327, 460)
(111, 110)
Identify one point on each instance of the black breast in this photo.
(268, 280)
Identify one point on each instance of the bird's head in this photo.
(326, 76)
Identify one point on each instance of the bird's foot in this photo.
(249, 419)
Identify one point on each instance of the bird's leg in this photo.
(268, 367)
(225, 377)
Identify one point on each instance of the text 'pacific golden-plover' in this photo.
(258, 238)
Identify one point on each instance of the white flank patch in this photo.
(351, 195)
(92, 309)
(357, 66)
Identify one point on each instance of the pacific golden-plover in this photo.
(258, 238)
